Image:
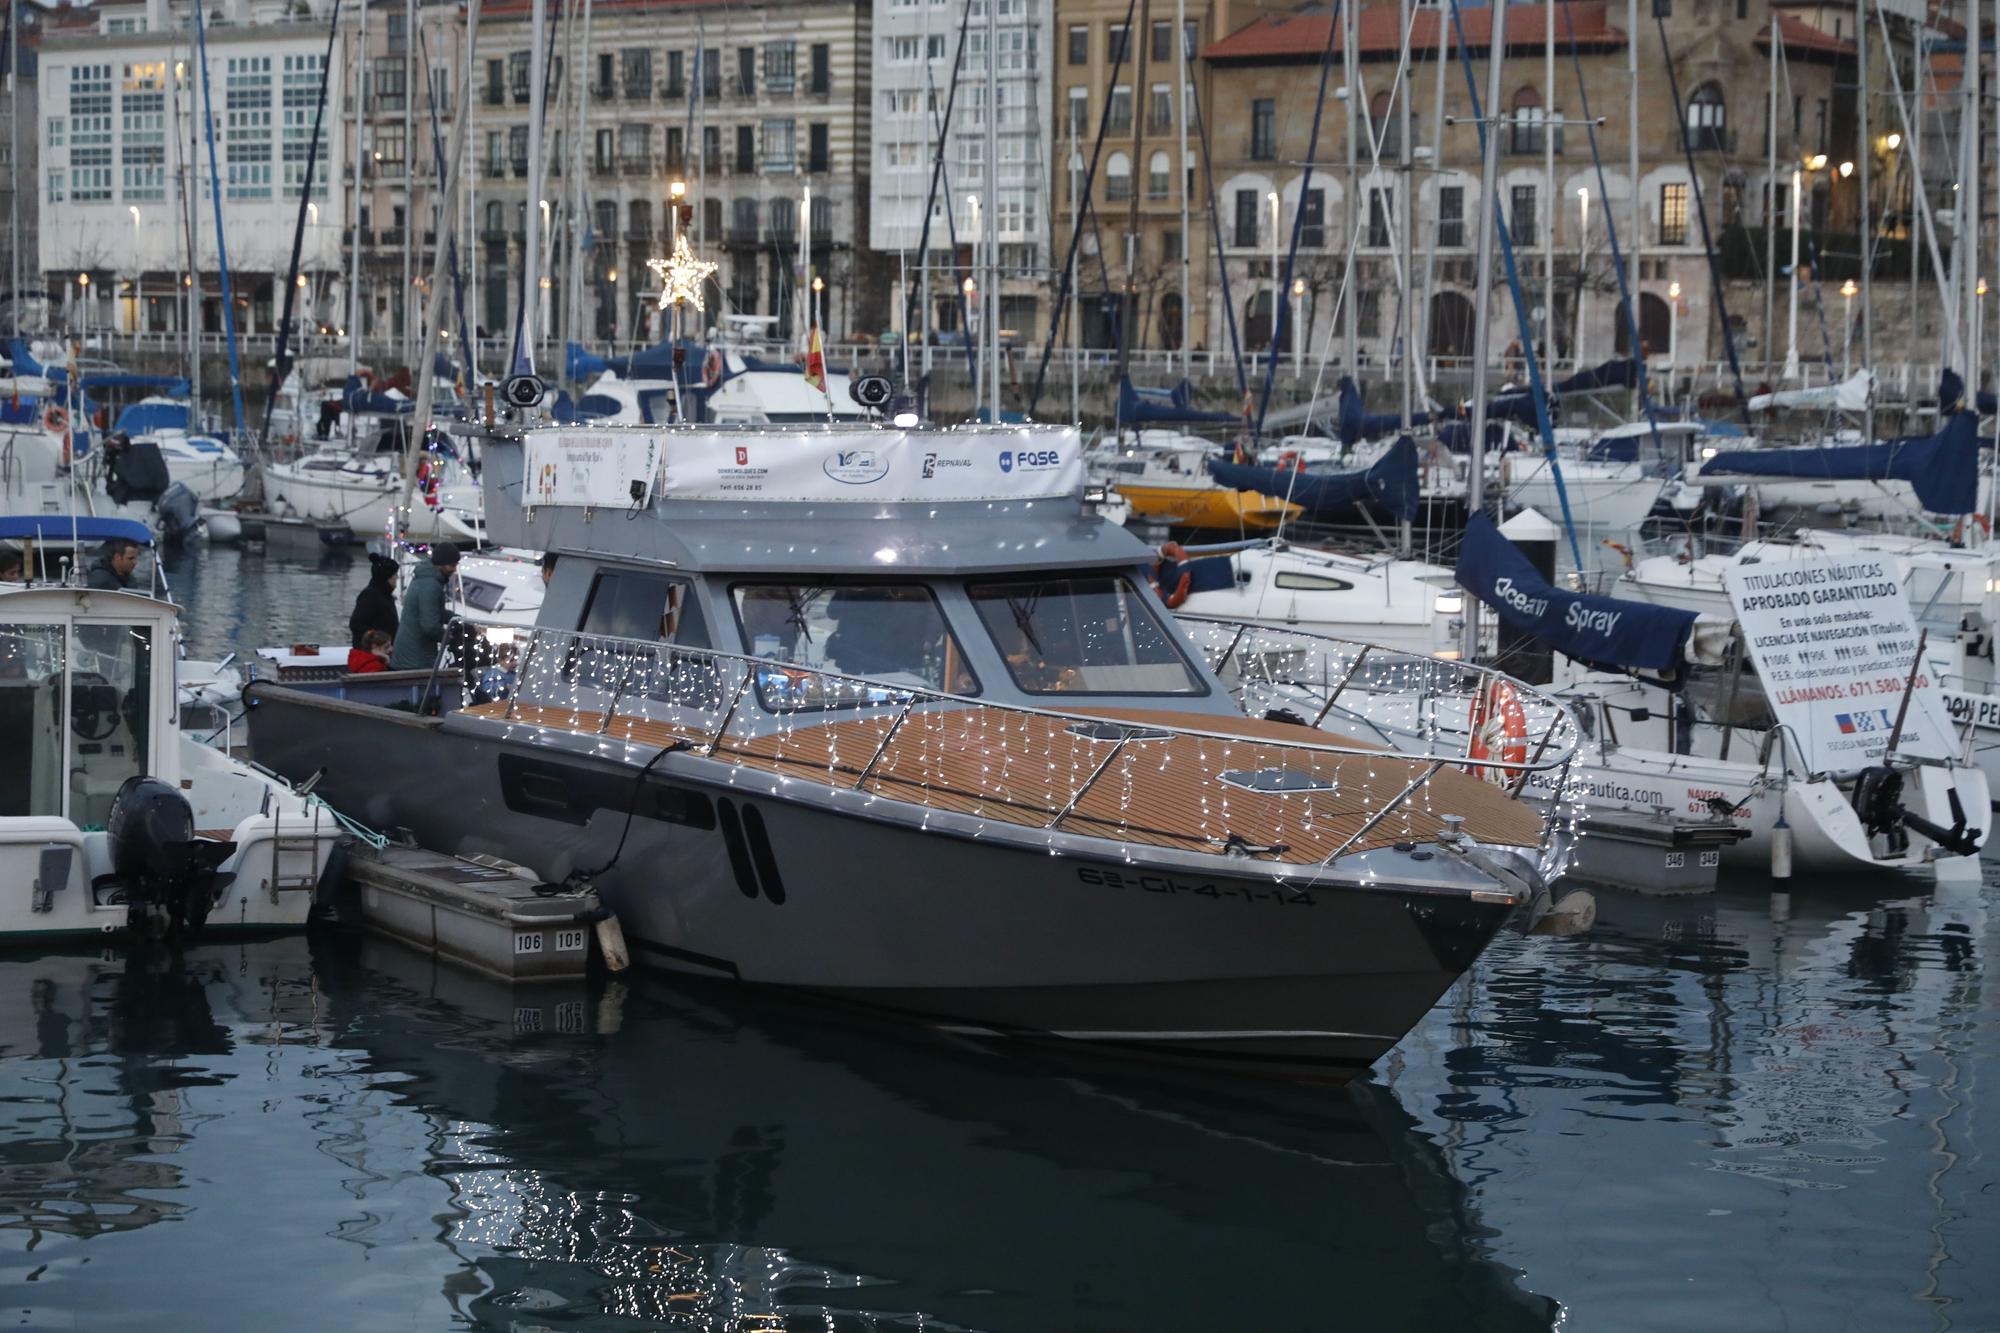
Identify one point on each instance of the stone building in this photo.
(1259, 85)
(20, 176)
(749, 106)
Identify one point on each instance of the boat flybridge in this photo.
(892, 715)
(109, 812)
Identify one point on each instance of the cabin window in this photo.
(1312, 582)
(31, 683)
(110, 698)
(625, 604)
(886, 632)
(1081, 634)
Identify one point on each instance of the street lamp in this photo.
(819, 285)
(1846, 170)
(1978, 328)
(1298, 324)
(1847, 291)
(1582, 250)
(1816, 162)
(1673, 336)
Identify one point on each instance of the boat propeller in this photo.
(1878, 802)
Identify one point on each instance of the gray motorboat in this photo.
(891, 716)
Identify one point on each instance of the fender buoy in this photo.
(711, 369)
(1173, 551)
(55, 419)
(1499, 732)
(1288, 460)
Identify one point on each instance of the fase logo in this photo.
(1029, 460)
(855, 467)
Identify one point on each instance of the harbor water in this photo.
(1743, 1110)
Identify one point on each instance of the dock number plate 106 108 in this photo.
(567, 941)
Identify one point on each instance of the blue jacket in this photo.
(422, 631)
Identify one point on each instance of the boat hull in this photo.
(1206, 507)
(724, 872)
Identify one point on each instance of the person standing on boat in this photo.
(112, 570)
(374, 605)
(422, 631)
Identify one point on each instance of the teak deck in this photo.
(1025, 769)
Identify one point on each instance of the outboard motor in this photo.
(180, 512)
(1878, 802)
(168, 876)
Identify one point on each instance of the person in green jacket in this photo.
(421, 632)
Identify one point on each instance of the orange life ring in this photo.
(54, 419)
(1176, 552)
(1499, 732)
(1288, 459)
(1984, 523)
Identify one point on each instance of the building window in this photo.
(746, 150)
(58, 185)
(780, 72)
(676, 159)
(1121, 110)
(300, 96)
(635, 149)
(779, 154)
(1526, 122)
(1170, 245)
(1079, 45)
(1159, 107)
(1079, 113)
(1708, 120)
(781, 221)
(1312, 220)
(1120, 44)
(248, 84)
(635, 69)
(1163, 42)
(1451, 216)
(822, 219)
(604, 157)
(388, 82)
(142, 143)
(822, 70)
(517, 75)
(90, 133)
(746, 71)
(1381, 209)
(1263, 130)
(1674, 214)
(1118, 178)
(710, 61)
(1521, 218)
(1158, 173)
(1246, 219)
(1382, 126)
(819, 147)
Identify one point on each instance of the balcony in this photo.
(520, 91)
(819, 85)
(639, 89)
(390, 239)
(494, 96)
(493, 169)
(639, 239)
(819, 163)
(711, 164)
(674, 90)
(603, 166)
(639, 164)
(740, 237)
(1710, 139)
(744, 164)
(1122, 124)
(674, 164)
(600, 91)
(519, 166)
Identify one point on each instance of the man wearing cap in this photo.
(422, 631)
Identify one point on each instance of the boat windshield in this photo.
(1082, 634)
(893, 633)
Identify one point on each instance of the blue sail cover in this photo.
(359, 399)
(1619, 374)
(1517, 407)
(1944, 468)
(649, 363)
(1951, 395)
(151, 417)
(1391, 483)
(1358, 423)
(1602, 631)
(1175, 406)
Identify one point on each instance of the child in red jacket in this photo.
(372, 655)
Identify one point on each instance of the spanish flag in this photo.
(816, 360)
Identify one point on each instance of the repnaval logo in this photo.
(932, 462)
(856, 467)
(1029, 460)
(930, 466)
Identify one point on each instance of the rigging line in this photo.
(1701, 214)
(1632, 340)
(1395, 250)
(1497, 32)
(1917, 188)
(938, 180)
(280, 362)
(1819, 305)
(1063, 291)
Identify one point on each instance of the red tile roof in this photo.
(1285, 37)
(1804, 38)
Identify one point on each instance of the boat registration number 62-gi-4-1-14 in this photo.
(536, 941)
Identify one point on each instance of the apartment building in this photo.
(128, 172)
(761, 111)
(918, 46)
(20, 172)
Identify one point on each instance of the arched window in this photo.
(1158, 173)
(743, 223)
(783, 221)
(1382, 124)
(1118, 178)
(1529, 118)
(639, 215)
(1708, 120)
(606, 220)
(496, 217)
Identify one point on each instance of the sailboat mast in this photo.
(410, 223)
(1181, 185)
(992, 308)
(579, 77)
(1771, 200)
(1553, 208)
(1865, 158)
(1405, 319)
(1968, 218)
(1482, 339)
(531, 247)
(359, 62)
(1350, 326)
(190, 192)
(14, 155)
(1634, 269)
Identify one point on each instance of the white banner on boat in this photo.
(590, 467)
(873, 466)
(1833, 641)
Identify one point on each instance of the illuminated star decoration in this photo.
(681, 277)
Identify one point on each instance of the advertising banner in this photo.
(614, 469)
(873, 466)
(1833, 641)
